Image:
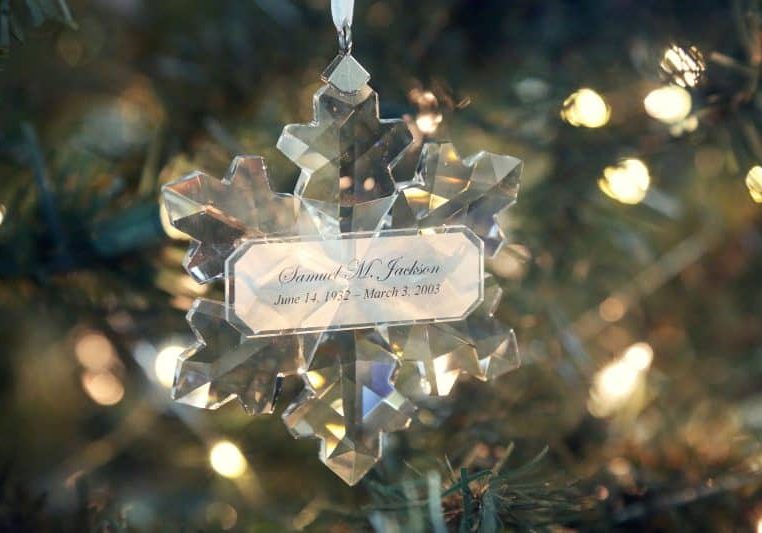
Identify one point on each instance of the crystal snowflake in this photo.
(348, 183)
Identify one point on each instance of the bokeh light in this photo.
(222, 515)
(103, 388)
(345, 183)
(227, 460)
(95, 352)
(683, 66)
(688, 125)
(2, 214)
(639, 356)
(428, 122)
(368, 184)
(617, 382)
(754, 183)
(669, 104)
(165, 364)
(511, 262)
(612, 309)
(70, 48)
(627, 181)
(586, 108)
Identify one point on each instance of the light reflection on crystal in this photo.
(448, 190)
(346, 153)
(165, 363)
(223, 365)
(349, 401)
(439, 354)
(479, 345)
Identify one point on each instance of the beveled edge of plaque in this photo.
(244, 246)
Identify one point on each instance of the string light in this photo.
(616, 383)
(586, 108)
(754, 183)
(165, 363)
(627, 181)
(227, 460)
(669, 104)
(639, 356)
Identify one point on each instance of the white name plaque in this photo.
(355, 280)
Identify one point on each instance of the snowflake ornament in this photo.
(360, 380)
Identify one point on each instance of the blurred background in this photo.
(632, 279)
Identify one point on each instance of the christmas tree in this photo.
(628, 276)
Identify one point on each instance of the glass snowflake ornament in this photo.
(367, 283)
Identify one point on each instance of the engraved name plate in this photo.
(355, 280)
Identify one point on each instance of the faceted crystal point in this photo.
(443, 176)
(500, 351)
(495, 343)
(346, 155)
(218, 213)
(438, 352)
(448, 190)
(480, 346)
(349, 401)
(223, 365)
(346, 74)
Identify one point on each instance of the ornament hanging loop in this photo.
(345, 40)
(343, 12)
